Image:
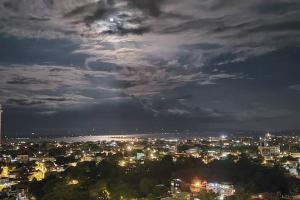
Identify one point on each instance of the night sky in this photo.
(124, 66)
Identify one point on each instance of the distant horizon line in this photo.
(179, 133)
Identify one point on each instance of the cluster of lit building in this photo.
(197, 185)
(23, 161)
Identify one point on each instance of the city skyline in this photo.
(151, 168)
(105, 66)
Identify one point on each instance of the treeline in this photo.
(151, 180)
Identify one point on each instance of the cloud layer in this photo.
(196, 61)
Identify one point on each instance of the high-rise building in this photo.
(0, 124)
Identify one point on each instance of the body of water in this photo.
(99, 138)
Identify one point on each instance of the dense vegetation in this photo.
(151, 180)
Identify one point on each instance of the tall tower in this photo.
(0, 124)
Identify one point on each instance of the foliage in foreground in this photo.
(149, 181)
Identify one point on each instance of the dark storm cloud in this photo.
(176, 108)
(204, 46)
(102, 8)
(218, 4)
(46, 101)
(11, 5)
(128, 18)
(26, 81)
(123, 31)
(54, 99)
(194, 24)
(85, 10)
(23, 102)
(152, 7)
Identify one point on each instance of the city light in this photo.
(134, 154)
